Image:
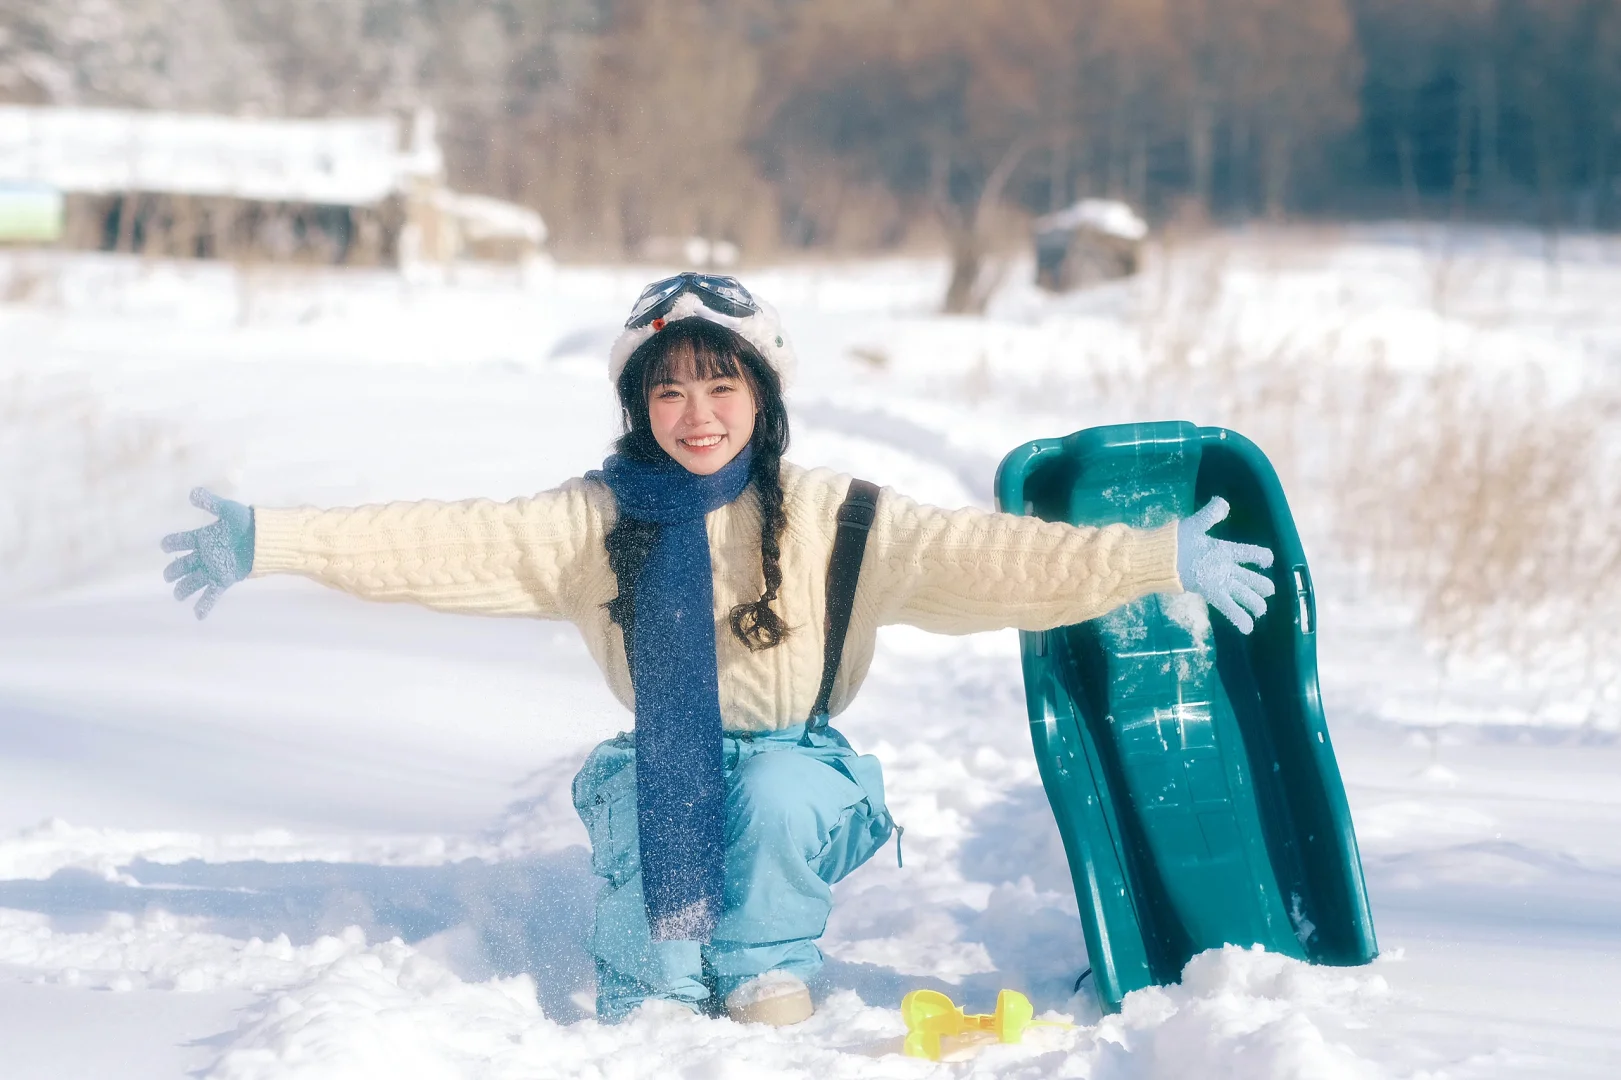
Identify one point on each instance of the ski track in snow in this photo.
(347, 826)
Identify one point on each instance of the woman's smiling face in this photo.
(701, 423)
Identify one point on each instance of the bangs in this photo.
(693, 349)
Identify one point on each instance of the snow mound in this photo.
(339, 1007)
(159, 951)
(390, 1010)
(36, 853)
(1241, 1013)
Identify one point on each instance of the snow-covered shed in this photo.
(1093, 240)
(351, 189)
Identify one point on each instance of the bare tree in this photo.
(857, 122)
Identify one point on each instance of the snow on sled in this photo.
(1189, 766)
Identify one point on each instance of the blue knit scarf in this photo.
(680, 781)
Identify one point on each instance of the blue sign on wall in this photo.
(30, 213)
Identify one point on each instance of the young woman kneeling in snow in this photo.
(695, 564)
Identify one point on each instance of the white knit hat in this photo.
(762, 330)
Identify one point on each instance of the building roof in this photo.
(1108, 216)
(482, 218)
(349, 161)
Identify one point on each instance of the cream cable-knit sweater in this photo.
(950, 571)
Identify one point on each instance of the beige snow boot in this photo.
(776, 998)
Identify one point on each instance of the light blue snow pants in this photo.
(801, 813)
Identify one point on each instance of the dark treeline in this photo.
(861, 124)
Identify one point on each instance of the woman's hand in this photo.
(218, 555)
(1213, 568)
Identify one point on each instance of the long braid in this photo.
(756, 624)
(629, 543)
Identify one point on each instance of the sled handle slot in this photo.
(1305, 602)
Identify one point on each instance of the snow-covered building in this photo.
(347, 190)
(1093, 240)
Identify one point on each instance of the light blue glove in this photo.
(1212, 568)
(220, 554)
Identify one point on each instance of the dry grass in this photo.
(1498, 515)
(1482, 501)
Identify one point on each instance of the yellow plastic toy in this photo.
(938, 1030)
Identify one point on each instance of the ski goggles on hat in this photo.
(720, 293)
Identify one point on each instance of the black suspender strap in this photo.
(843, 574)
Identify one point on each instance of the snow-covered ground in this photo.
(313, 837)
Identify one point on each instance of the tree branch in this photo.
(997, 180)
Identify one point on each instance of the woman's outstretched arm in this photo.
(961, 571)
(535, 556)
(958, 571)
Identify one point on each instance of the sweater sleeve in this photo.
(535, 556)
(962, 571)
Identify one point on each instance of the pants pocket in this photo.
(864, 827)
(605, 799)
(855, 839)
(867, 774)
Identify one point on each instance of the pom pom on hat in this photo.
(762, 330)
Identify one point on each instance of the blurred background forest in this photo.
(864, 125)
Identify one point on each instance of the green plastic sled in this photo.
(1189, 766)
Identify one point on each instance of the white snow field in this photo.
(316, 838)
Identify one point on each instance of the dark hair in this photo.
(701, 349)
